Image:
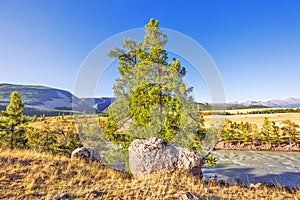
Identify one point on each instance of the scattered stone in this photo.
(155, 154)
(25, 162)
(86, 153)
(63, 196)
(183, 195)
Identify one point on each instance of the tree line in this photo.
(274, 111)
(270, 134)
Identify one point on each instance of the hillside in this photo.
(44, 100)
(27, 174)
(100, 104)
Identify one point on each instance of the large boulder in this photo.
(86, 153)
(155, 154)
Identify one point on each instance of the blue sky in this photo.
(254, 43)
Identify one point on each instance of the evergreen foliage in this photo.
(12, 132)
(152, 99)
(290, 129)
(273, 111)
(267, 131)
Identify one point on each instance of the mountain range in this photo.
(50, 101)
(284, 102)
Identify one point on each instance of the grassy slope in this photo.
(26, 174)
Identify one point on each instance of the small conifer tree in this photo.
(12, 123)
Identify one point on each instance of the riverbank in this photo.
(242, 147)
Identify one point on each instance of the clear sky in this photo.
(254, 43)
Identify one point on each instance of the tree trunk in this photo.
(159, 96)
(12, 137)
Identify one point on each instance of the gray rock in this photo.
(86, 153)
(63, 196)
(155, 154)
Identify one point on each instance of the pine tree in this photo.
(13, 130)
(276, 131)
(246, 130)
(290, 129)
(267, 131)
(228, 131)
(152, 99)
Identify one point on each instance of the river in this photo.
(278, 168)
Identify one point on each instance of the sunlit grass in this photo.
(256, 119)
(26, 174)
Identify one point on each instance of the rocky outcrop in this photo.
(155, 154)
(86, 153)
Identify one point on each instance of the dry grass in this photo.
(93, 120)
(51, 120)
(256, 118)
(26, 174)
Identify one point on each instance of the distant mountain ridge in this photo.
(99, 104)
(50, 101)
(284, 102)
(45, 100)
